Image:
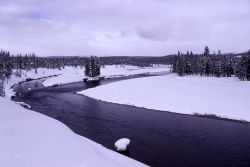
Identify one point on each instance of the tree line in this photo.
(206, 64)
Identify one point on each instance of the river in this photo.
(158, 139)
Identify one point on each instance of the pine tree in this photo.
(241, 71)
(93, 67)
(174, 61)
(206, 51)
(229, 68)
(248, 65)
(180, 65)
(218, 69)
(2, 92)
(206, 61)
(188, 65)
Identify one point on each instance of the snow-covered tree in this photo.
(93, 67)
(2, 91)
(205, 63)
(241, 70)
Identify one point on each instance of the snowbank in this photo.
(32, 139)
(41, 72)
(76, 74)
(224, 97)
(108, 71)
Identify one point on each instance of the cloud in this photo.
(123, 27)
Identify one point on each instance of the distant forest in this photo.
(205, 64)
(216, 64)
(10, 62)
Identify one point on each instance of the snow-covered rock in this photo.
(224, 97)
(31, 139)
(122, 144)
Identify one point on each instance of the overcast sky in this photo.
(123, 27)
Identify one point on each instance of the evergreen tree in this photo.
(206, 62)
(218, 69)
(174, 61)
(206, 51)
(188, 65)
(2, 92)
(241, 71)
(180, 65)
(92, 67)
(229, 68)
(248, 65)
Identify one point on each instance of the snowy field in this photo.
(32, 139)
(76, 74)
(224, 97)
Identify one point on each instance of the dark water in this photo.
(159, 139)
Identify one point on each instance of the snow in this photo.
(108, 71)
(32, 139)
(76, 74)
(41, 72)
(24, 105)
(122, 144)
(224, 97)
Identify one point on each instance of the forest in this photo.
(206, 64)
(9, 62)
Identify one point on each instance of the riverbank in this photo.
(32, 139)
(76, 74)
(227, 98)
(109, 71)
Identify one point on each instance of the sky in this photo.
(123, 27)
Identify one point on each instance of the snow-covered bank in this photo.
(224, 97)
(34, 74)
(31, 139)
(76, 74)
(108, 71)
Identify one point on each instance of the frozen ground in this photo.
(109, 71)
(31, 139)
(224, 97)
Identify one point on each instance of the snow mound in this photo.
(122, 144)
(32, 139)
